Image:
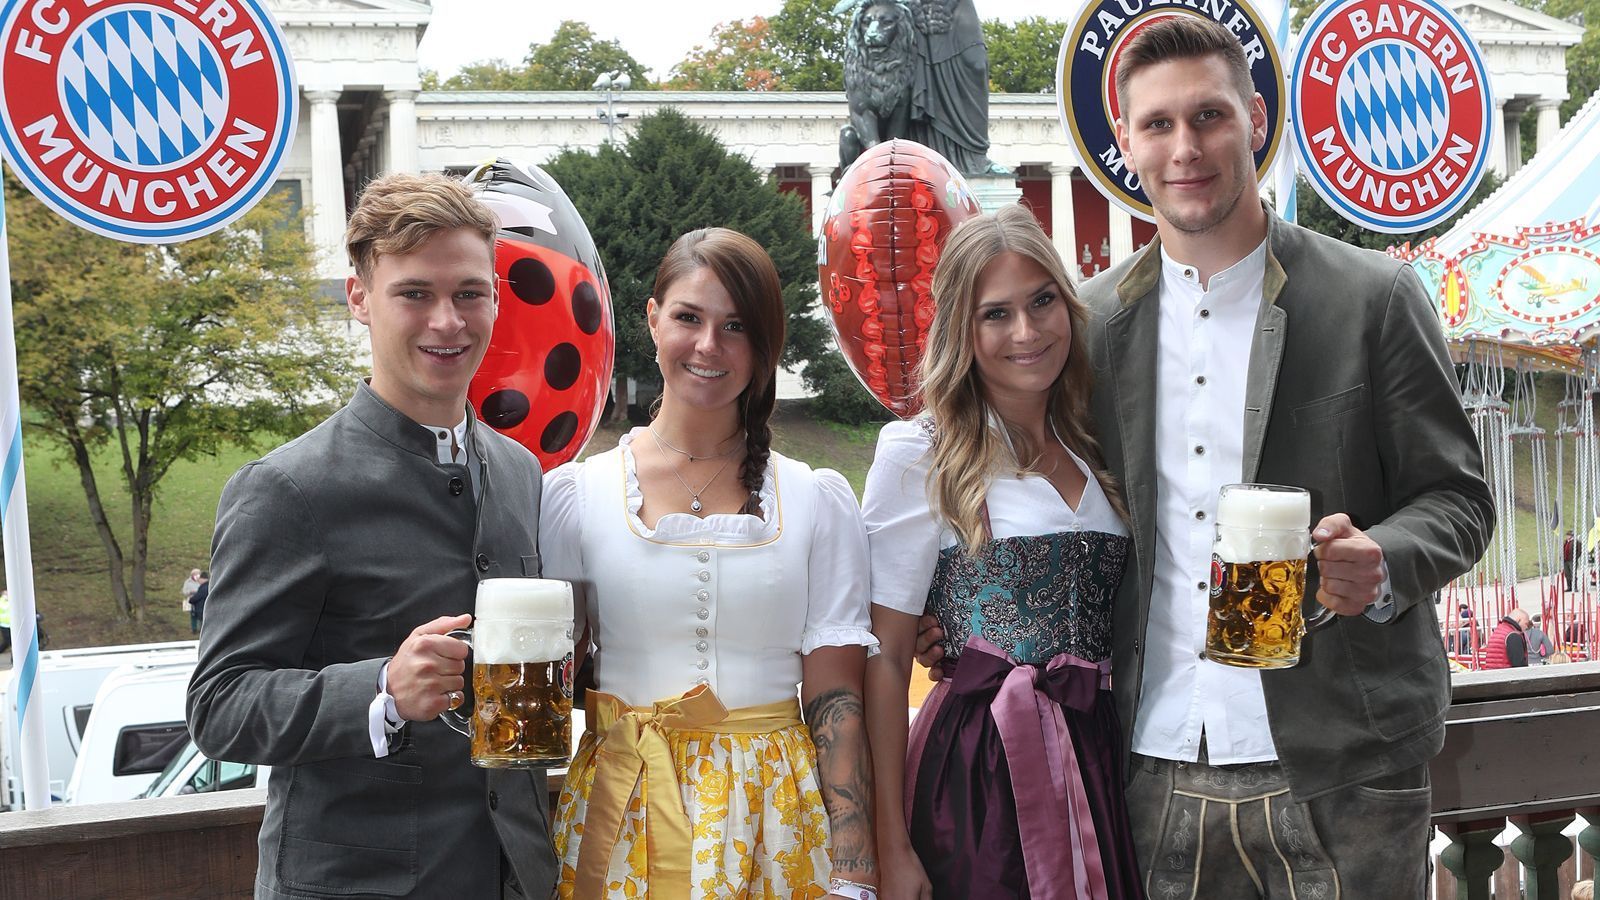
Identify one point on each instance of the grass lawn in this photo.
(69, 563)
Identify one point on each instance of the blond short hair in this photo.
(1583, 890)
(396, 213)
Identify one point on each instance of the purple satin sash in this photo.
(1026, 708)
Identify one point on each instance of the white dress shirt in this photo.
(1200, 389)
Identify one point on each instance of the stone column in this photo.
(1121, 233)
(366, 161)
(1549, 113)
(402, 130)
(1497, 139)
(1063, 225)
(821, 189)
(1514, 138)
(327, 182)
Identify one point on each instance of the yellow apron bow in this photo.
(634, 744)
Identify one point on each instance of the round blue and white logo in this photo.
(1392, 111)
(142, 87)
(143, 122)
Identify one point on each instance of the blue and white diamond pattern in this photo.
(1392, 106)
(142, 87)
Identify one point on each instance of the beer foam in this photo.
(520, 620)
(1253, 507)
(523, 598)
(1243, 545)
(520, 641)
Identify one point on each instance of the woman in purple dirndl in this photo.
(992, 513)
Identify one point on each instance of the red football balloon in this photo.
(544, 379)
(888, 219)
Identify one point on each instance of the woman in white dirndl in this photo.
(715, 576)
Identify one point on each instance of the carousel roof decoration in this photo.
(1523, 267)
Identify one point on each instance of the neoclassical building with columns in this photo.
(362, 114)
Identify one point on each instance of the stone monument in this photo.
(918, 69)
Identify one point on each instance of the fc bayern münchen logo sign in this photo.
(1086, 91)
(141, 121)
(1391, 109)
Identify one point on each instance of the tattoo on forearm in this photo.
(838, 729)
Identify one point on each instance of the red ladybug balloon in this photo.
(887, 221)
(544, 379)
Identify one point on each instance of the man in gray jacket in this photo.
(1237, 347)
(1240, 348)
(340, 562)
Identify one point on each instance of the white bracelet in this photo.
(852, 889)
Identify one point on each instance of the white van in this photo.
(136, 729)
(68, 682)
(192, 772)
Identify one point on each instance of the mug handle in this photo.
(460, 718)
(1323, 615)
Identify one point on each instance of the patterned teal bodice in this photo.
(1033, 596)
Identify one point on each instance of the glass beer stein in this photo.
(518, 708)
(1258, 577)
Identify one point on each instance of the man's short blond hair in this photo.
(1583, 890)
(396, 213)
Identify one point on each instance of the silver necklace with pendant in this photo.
(694, 495)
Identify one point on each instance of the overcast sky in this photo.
(659, 33)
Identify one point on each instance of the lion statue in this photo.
(879, 55)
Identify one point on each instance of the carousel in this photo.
(1517, 283)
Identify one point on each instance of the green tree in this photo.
(573, 57)
(672, 176)
(739, 58)
(808, 39)
(164, 353)
(1320, 217)
(799, 48)
(569, 61)
(485, 75)
(1022, 55)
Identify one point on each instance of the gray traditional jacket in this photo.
(1350, 394)
(327, 553)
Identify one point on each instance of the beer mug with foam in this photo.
(518, 709)
(1258, 577)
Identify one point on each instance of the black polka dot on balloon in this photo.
(586, 307)
(562, 366)
(505, 409)
(532, 281)
(559, 432)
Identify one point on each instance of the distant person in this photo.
(1569, 559)
(1507, 647)
(197, 602)
(1559, 656)
(5, 621)
(190, 585)
(1583, 890)
(345, 556)
(1539, 644)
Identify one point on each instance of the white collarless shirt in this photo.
(1204, 341)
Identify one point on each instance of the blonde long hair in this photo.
(967, 450)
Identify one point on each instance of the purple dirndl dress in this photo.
(1014, 771)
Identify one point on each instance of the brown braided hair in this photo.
(746, 272)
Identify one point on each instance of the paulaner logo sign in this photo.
(141, 121)
(1391, 107)
(1086, 91)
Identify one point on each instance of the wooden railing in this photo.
(1522, 747)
